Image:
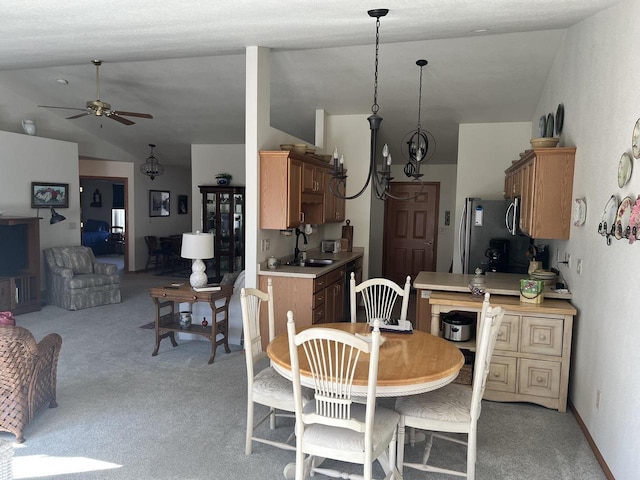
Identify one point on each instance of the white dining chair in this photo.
(266, 386)
(379, 296)
(453, 408)
(333, 426)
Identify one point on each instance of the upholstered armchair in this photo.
(27, 376)
(75, 280)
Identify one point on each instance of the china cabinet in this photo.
(223, 215)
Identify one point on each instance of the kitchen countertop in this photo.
(496, 283)
(339, 259)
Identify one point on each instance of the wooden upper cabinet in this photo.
(334, 207)
(543, 179)
(291, 190)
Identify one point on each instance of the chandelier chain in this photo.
(375, 107)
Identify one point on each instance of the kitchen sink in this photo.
(317, 262)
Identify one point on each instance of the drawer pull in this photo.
(496, 374)
(500, 334)
(539, 379)
(542, 337)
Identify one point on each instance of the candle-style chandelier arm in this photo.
(379, 179)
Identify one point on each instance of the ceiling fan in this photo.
(102, 109)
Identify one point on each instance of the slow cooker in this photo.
(457, 326)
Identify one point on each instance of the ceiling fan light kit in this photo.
(99, 108)
(380, 179)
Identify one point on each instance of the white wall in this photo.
(594, 76)
(485, 151)
(27, 159)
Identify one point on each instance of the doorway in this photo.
(410, 231)
(104, 202)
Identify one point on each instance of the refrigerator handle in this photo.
(462, 235)
(511, 228)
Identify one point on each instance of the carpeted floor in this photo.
(124, 414)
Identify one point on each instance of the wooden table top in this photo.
(184, 293)
(409, 363)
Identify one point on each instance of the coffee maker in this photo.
(498, 255)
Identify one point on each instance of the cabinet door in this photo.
(334, 207)
(539, 377)
(502, 374)
(312, 179)
(527, 176)
(5, 297)
(541, 336)
(294, 195)
(334, 302)
(507, 339)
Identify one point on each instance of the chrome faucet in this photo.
(296, 251)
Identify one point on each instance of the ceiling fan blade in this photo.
(122, 120)
(133, 114)
(65, 108)
(78, 115)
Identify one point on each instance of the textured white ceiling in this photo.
(184, 63)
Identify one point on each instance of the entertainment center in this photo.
(19, 264)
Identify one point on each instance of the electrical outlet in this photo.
(598, 398)
(579, 266)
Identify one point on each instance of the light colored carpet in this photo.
(124, 414)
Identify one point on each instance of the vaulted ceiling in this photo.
(184, 63)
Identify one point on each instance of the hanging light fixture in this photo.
(380, 179)
(419, 143)
(151, 167)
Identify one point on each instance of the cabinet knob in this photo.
(164, 294)
(542, 336)
(539, 379)
(496, 375)
(500, 334)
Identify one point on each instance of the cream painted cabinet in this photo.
(543, 179)
(530, 362)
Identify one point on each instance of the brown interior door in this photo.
(410, 231)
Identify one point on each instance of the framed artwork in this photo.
(45, 195)
(159, 203)
(183, 204)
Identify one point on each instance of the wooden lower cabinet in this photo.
(312, 300)
(531, 359)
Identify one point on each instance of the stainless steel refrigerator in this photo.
(483, 221)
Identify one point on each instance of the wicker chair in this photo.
(27, 376)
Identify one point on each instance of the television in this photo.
(14, 249)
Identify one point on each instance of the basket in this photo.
(531, 291)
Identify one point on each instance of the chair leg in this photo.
(400, 444)
(247, 447)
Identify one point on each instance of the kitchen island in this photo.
(531, 359)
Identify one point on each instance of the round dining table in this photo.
(409, 362)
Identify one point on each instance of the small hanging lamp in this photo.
(151, 167)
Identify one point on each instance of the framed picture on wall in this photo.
(45, 195)
(183, 204)
(159, 203)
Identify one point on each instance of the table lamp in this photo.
(197, 246)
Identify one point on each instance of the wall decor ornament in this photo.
(49, 195)
(159, 203)
(183, 204)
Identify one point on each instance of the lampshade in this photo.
(197, 246)
(56, 217)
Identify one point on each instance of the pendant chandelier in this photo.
(151, 167)
(379, 178)
(419, 144)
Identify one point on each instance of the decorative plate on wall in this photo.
(624, 169)
(559, 119)
(635, 140)
(549, 132)
(542, 126)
